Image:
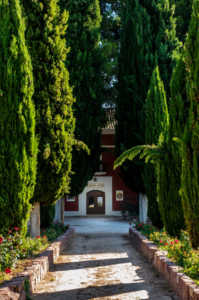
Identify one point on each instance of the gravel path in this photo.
(102, 266)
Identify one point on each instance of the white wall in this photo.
(102, 183)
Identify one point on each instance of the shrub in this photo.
(178, 250)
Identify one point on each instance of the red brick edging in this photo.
(183, 285)
(36, 271)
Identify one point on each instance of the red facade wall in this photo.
(108, 140)
(72, 206)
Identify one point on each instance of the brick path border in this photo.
(183, 285)
(15, 289)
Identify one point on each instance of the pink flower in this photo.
(176, 241)
(16, 228)
(1, 240)
(7, 270)
(161, 241)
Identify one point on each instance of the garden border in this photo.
(16, 288)
(183, 285)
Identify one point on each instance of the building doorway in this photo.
(96, 203)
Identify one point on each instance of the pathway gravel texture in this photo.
(102, 264)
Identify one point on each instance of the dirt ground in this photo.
(102, 266)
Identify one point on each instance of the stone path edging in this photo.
(36, 271)
(183, 285)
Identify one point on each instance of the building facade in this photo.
(106, 194)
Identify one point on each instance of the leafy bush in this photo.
(14, 247)
(53, 231)
(178, 250)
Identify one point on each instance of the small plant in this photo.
(55, 230)
(13, 247)
(178, 250)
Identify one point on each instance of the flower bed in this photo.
(22, 286)
(178, 250)
(174, 258)
(16, 251)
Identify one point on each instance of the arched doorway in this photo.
(95, 203)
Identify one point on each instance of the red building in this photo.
(106, 193)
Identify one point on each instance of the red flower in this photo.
(7, 270)
(16, 228)
(176, 241)
(166, 244)
(172, 242)
(1, 240)
(161, 241)
(38, 237)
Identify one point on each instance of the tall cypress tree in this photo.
(18, 147)
(85, 64)
(156, 118)
(135, 68)
(53, 98)
(110, 36)
(160, 156)
(148, 34)
(190, 153)
(183, 15)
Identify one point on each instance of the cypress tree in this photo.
(163, 155)
(163, 47)
(135, 68)
(53, 98)
(110, 36)
(85, 63)
(18, 147)
(190, 149)
(183, 15)
(156, 118)
(157, 110)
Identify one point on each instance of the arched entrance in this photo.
(95, 203)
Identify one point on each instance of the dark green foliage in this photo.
(18, 147)
(170, 169)
(156, 114)
(147, 35)
(183, 15)
(85, 63)
(47, 213)
(135, 68)
(53, 98)
(166, 44)
(163, 156)
(110, 36)
(190, 151)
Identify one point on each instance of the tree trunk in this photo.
(35, 220)
(143, 208)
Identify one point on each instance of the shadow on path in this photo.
(94, 292)
(90, 264)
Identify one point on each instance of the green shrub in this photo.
(14, 247)
(178, 250)
(54, 231)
